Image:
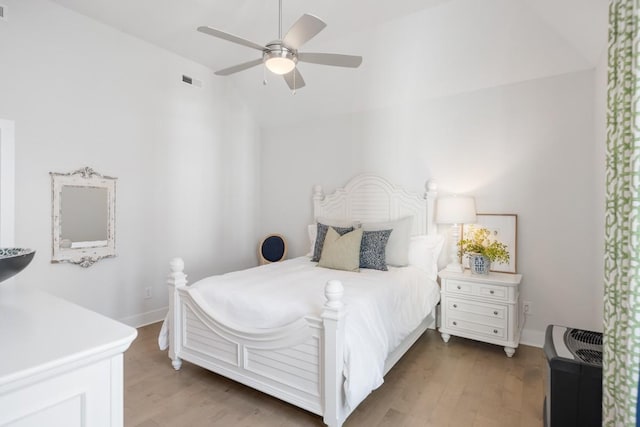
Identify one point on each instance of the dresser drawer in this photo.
(476, 328)
(491, 313)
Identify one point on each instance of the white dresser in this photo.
(481, 307)
(60, 364)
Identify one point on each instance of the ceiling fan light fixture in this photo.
(280, 61)
(280, 65)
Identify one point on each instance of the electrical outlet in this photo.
(526, 307)
(147, 293)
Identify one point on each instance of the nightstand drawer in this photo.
(458, 307)
(459, 287)
(494, 292)
(476, 328)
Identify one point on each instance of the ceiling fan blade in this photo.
(294, 79)
(239, 67)
(334, 59)
(230, 37)
(303, 30)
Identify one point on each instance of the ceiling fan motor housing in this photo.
(278, 58)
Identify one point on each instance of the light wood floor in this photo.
(462, 383)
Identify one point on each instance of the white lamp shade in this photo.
(456, 210)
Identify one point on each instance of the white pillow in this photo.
(424, 252)
(397, 252)
(312, 229)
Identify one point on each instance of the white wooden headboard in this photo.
(371, 198)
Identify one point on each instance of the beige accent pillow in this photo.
(341, 252)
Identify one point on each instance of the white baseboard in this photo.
(532, 337)
(147, 318)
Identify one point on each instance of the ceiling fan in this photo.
(281, 56)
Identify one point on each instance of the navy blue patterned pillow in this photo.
(373, 249)
(321, 234)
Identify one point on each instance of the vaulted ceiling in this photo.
(412, 49)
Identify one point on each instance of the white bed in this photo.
(322, 353)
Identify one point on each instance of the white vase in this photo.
(479, 264)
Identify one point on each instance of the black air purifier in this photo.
(573, 380)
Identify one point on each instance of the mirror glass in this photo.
(83, 219)
(85, 216)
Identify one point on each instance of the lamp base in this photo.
(454, 267)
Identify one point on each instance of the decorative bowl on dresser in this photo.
(13, 261)
(481, 307)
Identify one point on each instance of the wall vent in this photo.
(3, 12)
(191, 81)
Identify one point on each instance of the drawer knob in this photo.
(495, 312)
(458, 287)
(455, 323)
(495, 331)
(491, 292)
(455, 305)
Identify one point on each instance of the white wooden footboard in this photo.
(300, 363)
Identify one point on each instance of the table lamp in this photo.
(455, 210)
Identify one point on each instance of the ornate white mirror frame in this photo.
(88, 251)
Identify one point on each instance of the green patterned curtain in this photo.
(622, 229)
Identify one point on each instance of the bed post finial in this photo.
(176, 265)
(318, 194)
(318, 197)
(334, 290)
(177, 278)
(333, 321)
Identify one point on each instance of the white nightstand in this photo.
(483, 307)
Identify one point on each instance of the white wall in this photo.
(599, 158)
(524, 148)
(83, 94)
(7, 182)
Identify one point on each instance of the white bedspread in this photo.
(383, 307)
